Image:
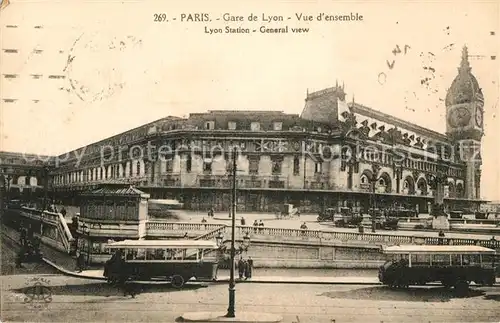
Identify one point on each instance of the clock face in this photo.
(479, 117)
(459, 117)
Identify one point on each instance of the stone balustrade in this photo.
(298, 235)
(162, 228)
(209, 231)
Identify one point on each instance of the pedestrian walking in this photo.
(250, 267)
(22, 237)
(261, 225)
(80, 262)
(241, 268)
(20, 258)
(129, 288)
(303, 228)
(255, 226)
(441, 237)
(243, 221)
(247, 269)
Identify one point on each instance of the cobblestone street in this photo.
(81, 300)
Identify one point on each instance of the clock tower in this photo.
(464, 123)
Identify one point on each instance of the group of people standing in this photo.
(245, 268)
(30, 246)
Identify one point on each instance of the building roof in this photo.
(157, 244)
(321, 106)
(464, 88)
(387, 118)
(117, 191)
(427, 249)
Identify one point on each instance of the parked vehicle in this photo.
(480, 215)
(453, 266)
(287, 210)
(348, 218)
(174, 260)
(401, 213)
(382, 221)
(327, 215)
(456, 214)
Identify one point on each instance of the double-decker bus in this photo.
(174, 260)
(453, 266)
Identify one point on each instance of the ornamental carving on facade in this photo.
(394, 136)
(350, 121)
(419, 143)
(415, 174)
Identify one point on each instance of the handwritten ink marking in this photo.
(10, 51)
(391, 66)
(407, 47)
(382, 78)
(396, 50)
(492, 33)
(449, 47)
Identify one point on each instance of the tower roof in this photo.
(464, 88)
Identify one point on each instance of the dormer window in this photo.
(210, 125)
(231, 125)
(255, 126)
(277, 126)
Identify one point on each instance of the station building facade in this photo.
(335, 153)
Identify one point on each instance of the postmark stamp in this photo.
(96, 63)
(37, 293)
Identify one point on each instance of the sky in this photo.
(85, 71)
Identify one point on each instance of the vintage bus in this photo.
(174, 260)
(169, 209)
(453, 265)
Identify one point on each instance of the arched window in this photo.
(364, 179)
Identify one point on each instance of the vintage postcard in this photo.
(249, 161)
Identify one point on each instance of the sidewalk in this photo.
(65, 264)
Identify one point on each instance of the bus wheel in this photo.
(461, 287)
(446, 283)
(177, 281)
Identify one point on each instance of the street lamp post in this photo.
(374, 179)
(230, 310)
(242, 248)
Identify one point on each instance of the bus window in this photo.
(150, 254)
(191, 254)
(129, 254)
(170, 254)
(159, 254)
(471, 260)
(443, 260)
(455, 260)
(140, 255)
(420, 260)
(488, 260)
